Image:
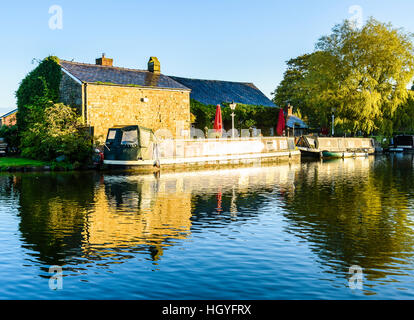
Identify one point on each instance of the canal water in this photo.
(276, 232)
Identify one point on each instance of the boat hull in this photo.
(336, 155)
(394, 150)
(310, 153)
(205, 162)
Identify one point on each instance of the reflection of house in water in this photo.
(128, 214)
(86, 216)
(209, 191)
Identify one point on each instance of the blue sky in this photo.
(233, 40)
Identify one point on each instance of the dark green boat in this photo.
(330, 154)
(343, 154)
(127, 144)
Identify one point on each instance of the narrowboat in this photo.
(394, 150)
(332, 155)
(404, 143)
(328, 148)
(136, 147)
(129, 144)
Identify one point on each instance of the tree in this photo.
(293, 91)
(54, 130)
(403, 120)
(37, 88)
(362, 73)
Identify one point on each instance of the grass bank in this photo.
(16, 163)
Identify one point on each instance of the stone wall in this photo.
(110, 105)
(71, 92)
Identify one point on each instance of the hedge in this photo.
(246, 116)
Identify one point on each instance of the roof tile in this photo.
(216, 92)
(91, 73)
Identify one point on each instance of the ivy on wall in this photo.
(41, 85)
(246, 116)
(48, 129)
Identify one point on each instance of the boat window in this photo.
(130, 137)
(111, 134)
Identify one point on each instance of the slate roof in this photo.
(293, 121)
(216, 92)
(91, 73)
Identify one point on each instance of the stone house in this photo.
(107, 96)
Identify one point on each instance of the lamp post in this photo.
(232, 107)
(333, 121)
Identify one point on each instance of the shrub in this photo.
(246, 116)
(56, 130)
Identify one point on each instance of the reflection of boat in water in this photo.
(327, 148)
(137, 147)
(156, 211)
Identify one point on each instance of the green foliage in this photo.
(204, 114)
(10, 135)
(246, 116)
(403, 120)
(362, 73)
(54, 130)
(49, 129)
(38, 87)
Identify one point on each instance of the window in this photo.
(111, 134)
(130, 137)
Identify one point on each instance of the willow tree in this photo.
(362, 74)
(404, 116)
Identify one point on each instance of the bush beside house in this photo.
(47, 129)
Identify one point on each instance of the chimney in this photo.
(154, 65)
(104, 61)
(289, 110)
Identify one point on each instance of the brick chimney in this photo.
(104, 61)
(154, 65)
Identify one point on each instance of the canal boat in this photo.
(328, 148)
(404, 143)
(394, 150)
(136, 147)
(332, 155)
(310, 153)
(308, 147)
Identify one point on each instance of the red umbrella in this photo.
(218, 122)
(281, 124)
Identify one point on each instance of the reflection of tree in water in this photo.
(52, 211)
(77, 217)
(80, 218)
(358, 216)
